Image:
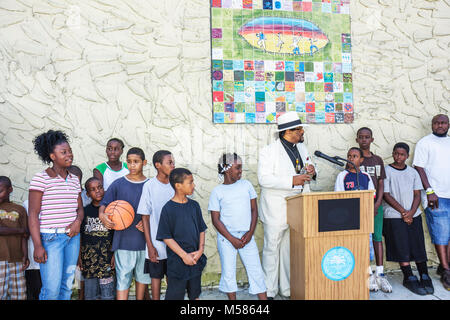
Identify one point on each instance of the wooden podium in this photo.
(329, 244)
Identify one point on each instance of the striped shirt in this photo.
(59, 199)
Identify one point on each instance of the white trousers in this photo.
(276, 260)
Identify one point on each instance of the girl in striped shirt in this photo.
(55, 216)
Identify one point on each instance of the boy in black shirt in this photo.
(182, 229)
(96, 258)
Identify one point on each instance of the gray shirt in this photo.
(401, 183)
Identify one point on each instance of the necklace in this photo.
(297, 164)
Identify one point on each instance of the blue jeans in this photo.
(438, 221)
(58, 272)
(99, 289)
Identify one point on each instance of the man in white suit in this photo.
(284, 169)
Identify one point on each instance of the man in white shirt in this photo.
(284, 168)
(432, 161)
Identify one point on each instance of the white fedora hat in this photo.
(289, 120)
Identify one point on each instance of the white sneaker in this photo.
(383, 283)
(373, 285)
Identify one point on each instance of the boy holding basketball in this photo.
(96, 259)
(155, 194)
(128, 244)
(182, 229)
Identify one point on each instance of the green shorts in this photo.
(377, 234)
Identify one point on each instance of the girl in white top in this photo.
(109, 171)
(234, 214)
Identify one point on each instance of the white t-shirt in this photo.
(233, 203)
(155, 195)
(433, 154)
(401, 183)
(109, 175)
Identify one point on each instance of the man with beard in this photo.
(431, 160)
(284, 169)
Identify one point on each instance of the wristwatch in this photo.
(429, 191)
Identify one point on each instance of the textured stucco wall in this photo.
(140, 70)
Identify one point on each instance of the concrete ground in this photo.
(399, 292)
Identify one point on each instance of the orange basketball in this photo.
(122, 214)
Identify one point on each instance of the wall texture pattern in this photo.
(140, 70)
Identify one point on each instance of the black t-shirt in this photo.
(96, 243)
(182, 222)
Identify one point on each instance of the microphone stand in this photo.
(358, 187)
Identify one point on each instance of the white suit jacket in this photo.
(275, 174)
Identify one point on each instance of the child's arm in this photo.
(249, 234)
(97, 174)
(215, 217)
(152, 252)
(74, 227)
(34, 207)
(380, 195)
(415, 205)
(393, 203)
(187, 258)
(25, 260)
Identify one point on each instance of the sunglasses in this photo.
(297, 129)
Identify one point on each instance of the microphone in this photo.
(319, 154)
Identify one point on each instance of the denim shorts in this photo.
(129, 264)
(438, 221)
(99, 289)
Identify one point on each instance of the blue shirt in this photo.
(182, 222)
(233, 203)
(346, 181)
(123, 189)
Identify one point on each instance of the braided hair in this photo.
(226, 161)
(44, 144)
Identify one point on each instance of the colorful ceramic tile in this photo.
(273, 56)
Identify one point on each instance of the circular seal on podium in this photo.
(338, 263)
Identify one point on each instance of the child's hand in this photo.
(196, 255)
(113, 262)
(140, 226)
(237, 243)
(79, 264)
(152, 254)
(189, 260)
(40, 255)
(73, 228)
(246, 238)
(106, 221)
(407, 216)
(25, 263)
